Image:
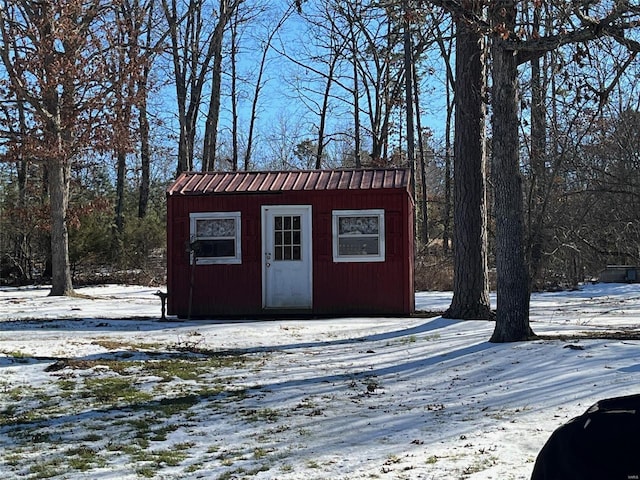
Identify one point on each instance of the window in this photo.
(215, 237)
(358, 235)
(287, 234)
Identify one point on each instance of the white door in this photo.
(286, 257)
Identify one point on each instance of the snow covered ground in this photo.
(97, 388)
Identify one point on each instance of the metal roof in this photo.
(206, 183)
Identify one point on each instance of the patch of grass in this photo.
(140, 415)
(83, 458)
(24, 412)
(260, 452)
(391, 459)
(254, 471)
(17, 355)
(147, 471)
(40, 437)
(160, 434)
(18, 393)
(47, 468)
(114, 390)
(151, 461)
(194, 467)
(7, 414)
(173, 368)
(172, 406)
(261, 415)
(67, 387)
(13, 459)
(480, 464)
(109, 344)
(170, 457)
(92, 437)
(229, 457)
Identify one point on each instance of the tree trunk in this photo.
(59, 177)
(424, 197)
(323, 113)
(539, 182)
(235, 154)
(357, 161)
(446, 227)
(213, 114)
(145, 152)
(539, 173)
(471, 279)
(408, 87)
(117, 229)
(512, 319)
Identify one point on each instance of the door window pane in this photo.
(287, 240)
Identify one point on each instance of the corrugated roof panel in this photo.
(267, 182)
(242, 183)
(278, 182)
(218, 182)
(196, 183)
(311, 182)
(301, 179)
(322, 182)
(209, 183)
(202, 183)
(343, 182)
(256, 181)
(178, 185)
(356, 180)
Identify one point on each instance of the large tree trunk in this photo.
(471, 283)
(59, 177)
(512, 319)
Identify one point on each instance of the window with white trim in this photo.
(215, 237)
(358, 235)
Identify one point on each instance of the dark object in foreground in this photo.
(601, 444)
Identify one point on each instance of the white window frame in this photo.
(380, 237)
(236, 217)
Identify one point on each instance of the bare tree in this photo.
(126, 63)
(509, 51)
(513, 44)
(194, 46)
(49, 50)
(445, 48)
(225, 12)
(259, 84)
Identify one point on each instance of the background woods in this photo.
(103, 101)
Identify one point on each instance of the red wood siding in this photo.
(338, 288)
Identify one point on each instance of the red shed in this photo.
(327, 242)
